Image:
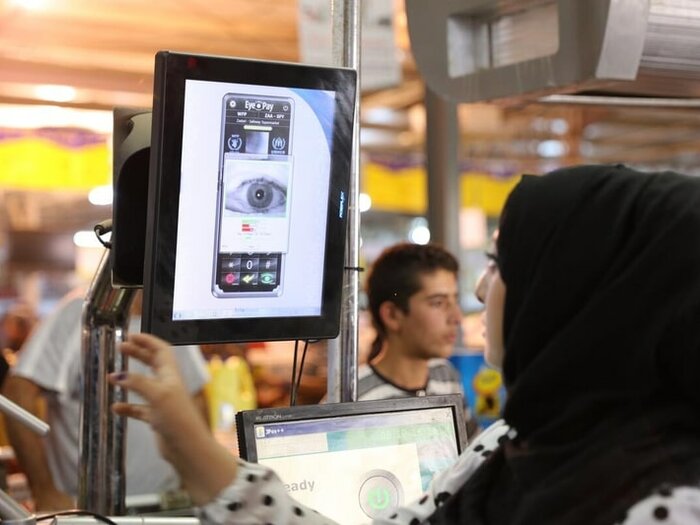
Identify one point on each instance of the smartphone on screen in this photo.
(254, 189)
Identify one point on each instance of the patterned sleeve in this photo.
(258, 496)
(670, 506)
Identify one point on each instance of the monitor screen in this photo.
(354, 462)
(248, 183)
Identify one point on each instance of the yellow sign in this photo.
(32, 162)
(405, 189)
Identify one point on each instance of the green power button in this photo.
(380, 493)
(378, 498)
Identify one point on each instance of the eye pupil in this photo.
(259, 196)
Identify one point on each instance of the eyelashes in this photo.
(493, 259)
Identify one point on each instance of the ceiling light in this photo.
(88, 239)
(55, 93)
(551, 148)
(559, 126)
(365, 202)
(42, 116)
(383, 116)
(419, 233)
(101, 195)
(32, 5)
(371, 137)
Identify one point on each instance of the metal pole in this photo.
(12, 513)
(342, 351)
(102, 483)
(609, 100)
(28, 419)
(442, 133)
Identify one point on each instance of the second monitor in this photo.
(355, 462)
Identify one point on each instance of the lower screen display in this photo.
(357, 468)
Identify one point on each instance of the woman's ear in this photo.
(390, 315)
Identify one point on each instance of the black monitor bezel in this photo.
(246, 419)
(171, 72)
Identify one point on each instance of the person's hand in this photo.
(168, 409)
(204, 466)
(53, 500)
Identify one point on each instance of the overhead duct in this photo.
(477, 50)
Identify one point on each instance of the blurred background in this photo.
(66, 63)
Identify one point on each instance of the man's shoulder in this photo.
(371, 385)
(189, 354)
(366, 377)
(442, 367)
(56, 340)
(443, 378)
(364, 371)
(63, 320)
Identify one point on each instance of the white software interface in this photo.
(356, 468)
(253, 201)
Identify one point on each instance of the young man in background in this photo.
(413, 297)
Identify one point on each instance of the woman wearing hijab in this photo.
(592, 308)
(600, 338)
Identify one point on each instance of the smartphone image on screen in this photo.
(254, 189)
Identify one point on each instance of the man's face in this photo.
(430, 327)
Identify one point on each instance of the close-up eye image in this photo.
(257, 195)
(262, 190)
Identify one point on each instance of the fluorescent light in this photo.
(55, 93)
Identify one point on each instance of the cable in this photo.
(295, 384)
(103, 228)
(292, 395)
(301, 366)
(76, 512)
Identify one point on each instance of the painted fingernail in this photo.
(119, 376)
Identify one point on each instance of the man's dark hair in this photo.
(395, 277)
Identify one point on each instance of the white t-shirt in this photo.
(51, 358)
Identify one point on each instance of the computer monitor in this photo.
(247, 203)
(354, 462)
